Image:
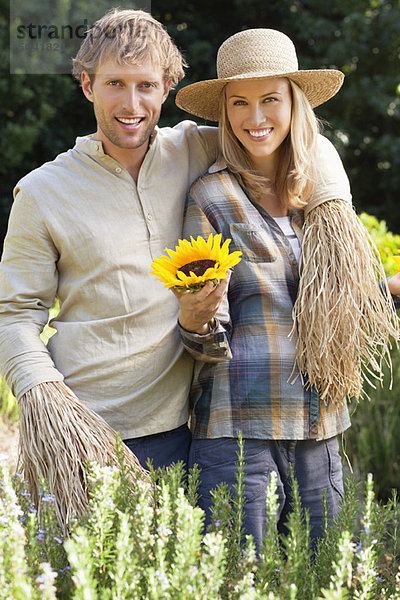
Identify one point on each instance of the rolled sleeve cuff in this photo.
(212, 346)
(396, 301)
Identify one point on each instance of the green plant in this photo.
(145, 540)
(387, 243)
(373, 443)
(8, 404)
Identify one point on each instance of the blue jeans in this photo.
(317, 466)
(162, 448)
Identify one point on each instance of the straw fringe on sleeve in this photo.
(344, 314)
(59, 436)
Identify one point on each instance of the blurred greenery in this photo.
(40, 115)
(387, 243)
(8, 405)
(373, 443)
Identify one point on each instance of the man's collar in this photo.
(153, 135)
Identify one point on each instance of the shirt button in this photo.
(149, 217)
(118, 169)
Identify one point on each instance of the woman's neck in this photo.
(265, 166)
(269, 200)
(273, 205)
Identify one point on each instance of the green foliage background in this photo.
(40, 115)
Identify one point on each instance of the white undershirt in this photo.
(286, 226)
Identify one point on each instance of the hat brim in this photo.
(203, 98)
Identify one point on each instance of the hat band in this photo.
(255, 74)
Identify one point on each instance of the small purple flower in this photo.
(65, 569)
(48, 498)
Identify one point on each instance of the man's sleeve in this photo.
(209, 137)
(332, 182)
(214, 345)
(28, 284)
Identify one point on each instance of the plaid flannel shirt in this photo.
(245, 376)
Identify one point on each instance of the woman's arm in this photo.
(204, 318)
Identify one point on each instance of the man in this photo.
(86, 227)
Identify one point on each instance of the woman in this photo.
(295, 341)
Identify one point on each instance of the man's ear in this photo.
(167, 88)
(86, 85)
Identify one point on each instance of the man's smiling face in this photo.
(127, 102)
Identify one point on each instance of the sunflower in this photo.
(194, 263)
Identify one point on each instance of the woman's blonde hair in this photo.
(129, 37)
(295, 176)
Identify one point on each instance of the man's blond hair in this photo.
(129, 37)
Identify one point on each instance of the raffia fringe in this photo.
(59, 436)
(344, 321)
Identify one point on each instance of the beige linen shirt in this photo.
(82, 230)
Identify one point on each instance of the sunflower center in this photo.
(198, 267)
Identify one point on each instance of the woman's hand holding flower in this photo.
(198, 273)
(197, 309)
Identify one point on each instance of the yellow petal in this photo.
(167, 269)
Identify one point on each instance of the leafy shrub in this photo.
(145, 540)
(387, 243)
(373, 442)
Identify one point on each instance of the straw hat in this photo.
(257, 54)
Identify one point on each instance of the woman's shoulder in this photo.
(215, 178)
(326, 147)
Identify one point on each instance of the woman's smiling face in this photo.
(259, 112)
